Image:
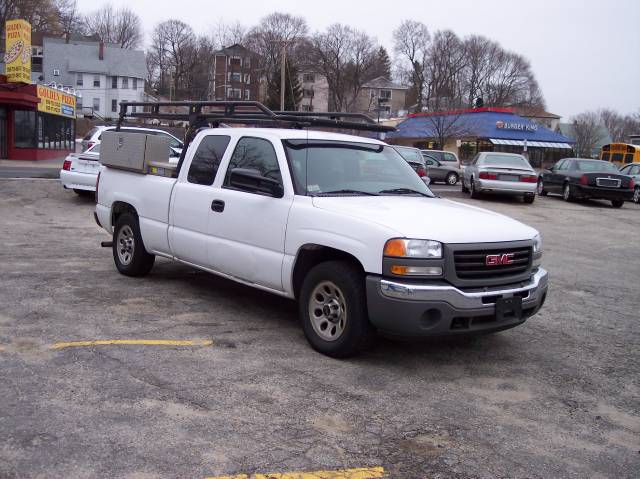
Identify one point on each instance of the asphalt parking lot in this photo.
(199, 377)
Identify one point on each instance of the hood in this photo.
(429, 218)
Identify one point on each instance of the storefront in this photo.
(36, 122)
(468, 132)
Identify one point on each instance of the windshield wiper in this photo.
(353, 192)
(404, 191)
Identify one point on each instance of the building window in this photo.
(79, 103)
(247, 62)
(135, 83)
(235, 77)
(79, 79)
(24, 129)
(247, 78)
(235, 61)
(96, 104)
(56, 132)
(247, 95)
(125, 82)
(307, 92)
(114, 105)
(385, 94)
(308, 78)
(96, 81)
(234, 93)
(114, 82)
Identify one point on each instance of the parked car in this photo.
(414, 158)
(339, 223)
(633, 170)
(94, 136)
(446, 172)
(580, 178)
(502, 173)
(445, 157)
(80, 170)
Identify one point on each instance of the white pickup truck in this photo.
(341, 224)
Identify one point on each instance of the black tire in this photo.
(472, 189)
(636, 195)
(83, 193)
(464, 188)
(617, 203)
(529, 199)
(451, 179)
(129, 254)
(541, 190)
(357, 333)
(567, 192)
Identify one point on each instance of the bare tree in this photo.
(446, 126)
(443, 73)
(587, 132)
(347, 58)
(227, 34)
(619, 126)
(411, 43)
(43, 15)
(122, 26)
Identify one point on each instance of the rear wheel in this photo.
(567, 192)
(529, 199)
(636, 195)
(472, 188)
(541, 190)
(617, 203)
(451, 179)
(333, 309)
(82, 192)
(128, 249)
(464, 188)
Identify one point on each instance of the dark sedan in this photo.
(577, 178)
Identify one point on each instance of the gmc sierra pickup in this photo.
(340, 223)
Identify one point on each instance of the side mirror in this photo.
(251, 180)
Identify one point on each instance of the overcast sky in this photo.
(584, 53)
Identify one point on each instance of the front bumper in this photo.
(72, 180)
(506, 187)
(424, 309)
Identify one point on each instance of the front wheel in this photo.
(451, 179)
(333, 309)
(617, 203)
(129, 253)
(567, 192)
(541, 190)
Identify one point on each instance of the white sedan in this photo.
(80, 171)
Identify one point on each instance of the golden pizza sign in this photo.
(56, 102)
(17, 57)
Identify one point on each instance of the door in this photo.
(435, 170)
(247, 234)
(192, 199)
(553, 177)
(3, 133)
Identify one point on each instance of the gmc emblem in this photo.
(498, 259)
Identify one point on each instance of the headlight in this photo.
(413, 248)
(537, 243)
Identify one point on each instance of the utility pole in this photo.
(283, 59)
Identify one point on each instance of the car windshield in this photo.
(515, 161)
(410, 154)
(322, 167)
(596, 166)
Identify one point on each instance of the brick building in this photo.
(235, 74)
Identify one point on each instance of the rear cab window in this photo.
(206, 160)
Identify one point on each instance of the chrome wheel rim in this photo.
(452, 179)
(566, 192)
(125, 244)
(540, 187)
(327, 311)
(636, 195)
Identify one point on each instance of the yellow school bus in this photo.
(620, 153)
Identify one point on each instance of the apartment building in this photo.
(384, 95)
(235, 74)
(315, 92)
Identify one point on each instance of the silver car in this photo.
(503, 173)
(633, 170)
(449, 173)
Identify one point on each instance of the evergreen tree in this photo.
(382, 64)
(292, 90)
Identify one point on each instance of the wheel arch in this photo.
(312, 254)
(118, 208)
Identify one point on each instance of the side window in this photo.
(254, 154)
(605, 156)
(173, 143)
(560, 164)
(449, 157)
(635, 170)
(206, 160)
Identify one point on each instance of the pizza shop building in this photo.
(468, 132)
(36, 122)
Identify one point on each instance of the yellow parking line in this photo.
(134, 342)
(356, 473)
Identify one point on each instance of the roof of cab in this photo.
(292, 134)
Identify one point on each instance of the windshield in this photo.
(515, 161)
(410, 154)
(322, 167)
(596, 166)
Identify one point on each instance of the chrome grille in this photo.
(473, 264)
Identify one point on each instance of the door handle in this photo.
(217, 206)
